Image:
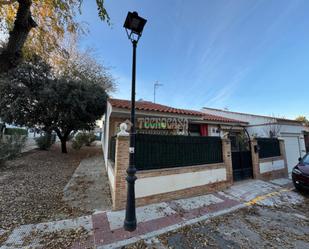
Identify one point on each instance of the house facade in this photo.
(182, 153)
(159, 119)
(291, 131)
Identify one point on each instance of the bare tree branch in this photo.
(272, 129)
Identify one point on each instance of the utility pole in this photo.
(155, 86)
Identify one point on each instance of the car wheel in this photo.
(297, 186)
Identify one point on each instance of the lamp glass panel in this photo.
(135, 23)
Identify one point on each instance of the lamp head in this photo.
(134, 25)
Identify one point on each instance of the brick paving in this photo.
(103, 235)
(105, 228)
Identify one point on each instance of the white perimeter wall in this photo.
(271, 166)
(105, 129)
(169, 183)
(111, 175)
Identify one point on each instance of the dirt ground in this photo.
(31, 187)
(257, 227)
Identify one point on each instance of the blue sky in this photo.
(249, 56)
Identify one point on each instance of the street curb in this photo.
(171, 228)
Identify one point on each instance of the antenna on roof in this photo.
(155, 86)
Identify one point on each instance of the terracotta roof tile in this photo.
(149, 106)
(211, 117)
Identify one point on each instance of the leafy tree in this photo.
(74, 64)
(303, 119)
(30, 95)
(46, 21)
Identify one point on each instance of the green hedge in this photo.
(10, 147)
(15, 131)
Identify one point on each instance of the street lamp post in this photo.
(134, 26)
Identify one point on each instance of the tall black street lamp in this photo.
(134, 26)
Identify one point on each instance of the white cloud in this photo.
(222, 96)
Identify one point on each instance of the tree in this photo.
(76, 105)
(32, 96)
(303, 119)
(46, 21)
(71, 63)
(272, 129)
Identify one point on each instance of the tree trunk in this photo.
(12, 54)
(63, 139)
(64, 145)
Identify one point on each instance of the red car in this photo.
(300, 174)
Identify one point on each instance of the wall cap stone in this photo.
(179, 170)
(271, 159)
(123, 132)
(225, 139)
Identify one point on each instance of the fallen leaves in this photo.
(252, 227)
(31, 187)
(61, 239)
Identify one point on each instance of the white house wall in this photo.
(290, 132)
(106, 131)
(291, 129)
(251, 119)
(257, 124)
(214, 132)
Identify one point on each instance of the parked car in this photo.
(300, 174)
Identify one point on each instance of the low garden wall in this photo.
(269, 160)
(174, 167)
(192, 174)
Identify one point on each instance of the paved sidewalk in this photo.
(29, 145)
(105, 228)
(88, 188)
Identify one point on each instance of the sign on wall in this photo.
(180, 124)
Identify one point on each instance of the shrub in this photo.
(90, 138)
(16, 131)
(44, 142)
(10, 147)
(70, 137)
(76, 144)
(83, 138)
